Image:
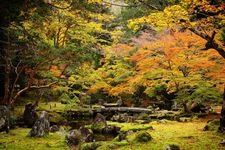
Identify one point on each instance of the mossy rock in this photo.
(143, 136)
(97, 128)
(90, 146)
(74, 138)
(212, 125)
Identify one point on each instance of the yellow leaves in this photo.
(102, 17)
(72, 79)
(94, 27)
(168, 18)
(94, 1)
(116, 35)
(120, 89)
(99, 86)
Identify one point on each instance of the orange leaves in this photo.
(55, 71)
(173, 60)
(58, 70)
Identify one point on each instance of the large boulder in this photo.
(74, 138)
(4, 119)
(99, 123)
(86, 134)
(41, 126)
(30, 115)
(110, 129)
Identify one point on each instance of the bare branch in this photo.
(31, 87)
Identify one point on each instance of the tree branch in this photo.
(211, 43)
(121, 5)
(31, 87)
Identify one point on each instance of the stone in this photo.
(195, 107)
(4, 119)
(172, 147)
(99, 123)
(163, 121)
(122, 118)
(61, 130)
(122, 136)
(30, 115)
(111, 130)
(41, 126)
(222, 142)
(73, 138)
(86, 134)
(119, 102)
(54, 128)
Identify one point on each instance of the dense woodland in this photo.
(140, 55)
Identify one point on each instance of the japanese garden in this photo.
(112, 75)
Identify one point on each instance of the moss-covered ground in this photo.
(17, 140)
(188, 136)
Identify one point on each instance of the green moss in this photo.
(121, 143)
(131, 126)
(51, 106)
(212, 125)
(90, 146)
(97, 127)
(178, 133)
(107, 146)
(56, 117)
(17, 139)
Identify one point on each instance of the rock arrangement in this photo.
(41, 126)
(4, 119)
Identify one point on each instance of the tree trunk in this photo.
(222, 118)
(7, 81)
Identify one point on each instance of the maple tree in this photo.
(204, 18)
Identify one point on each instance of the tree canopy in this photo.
(82, 47)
